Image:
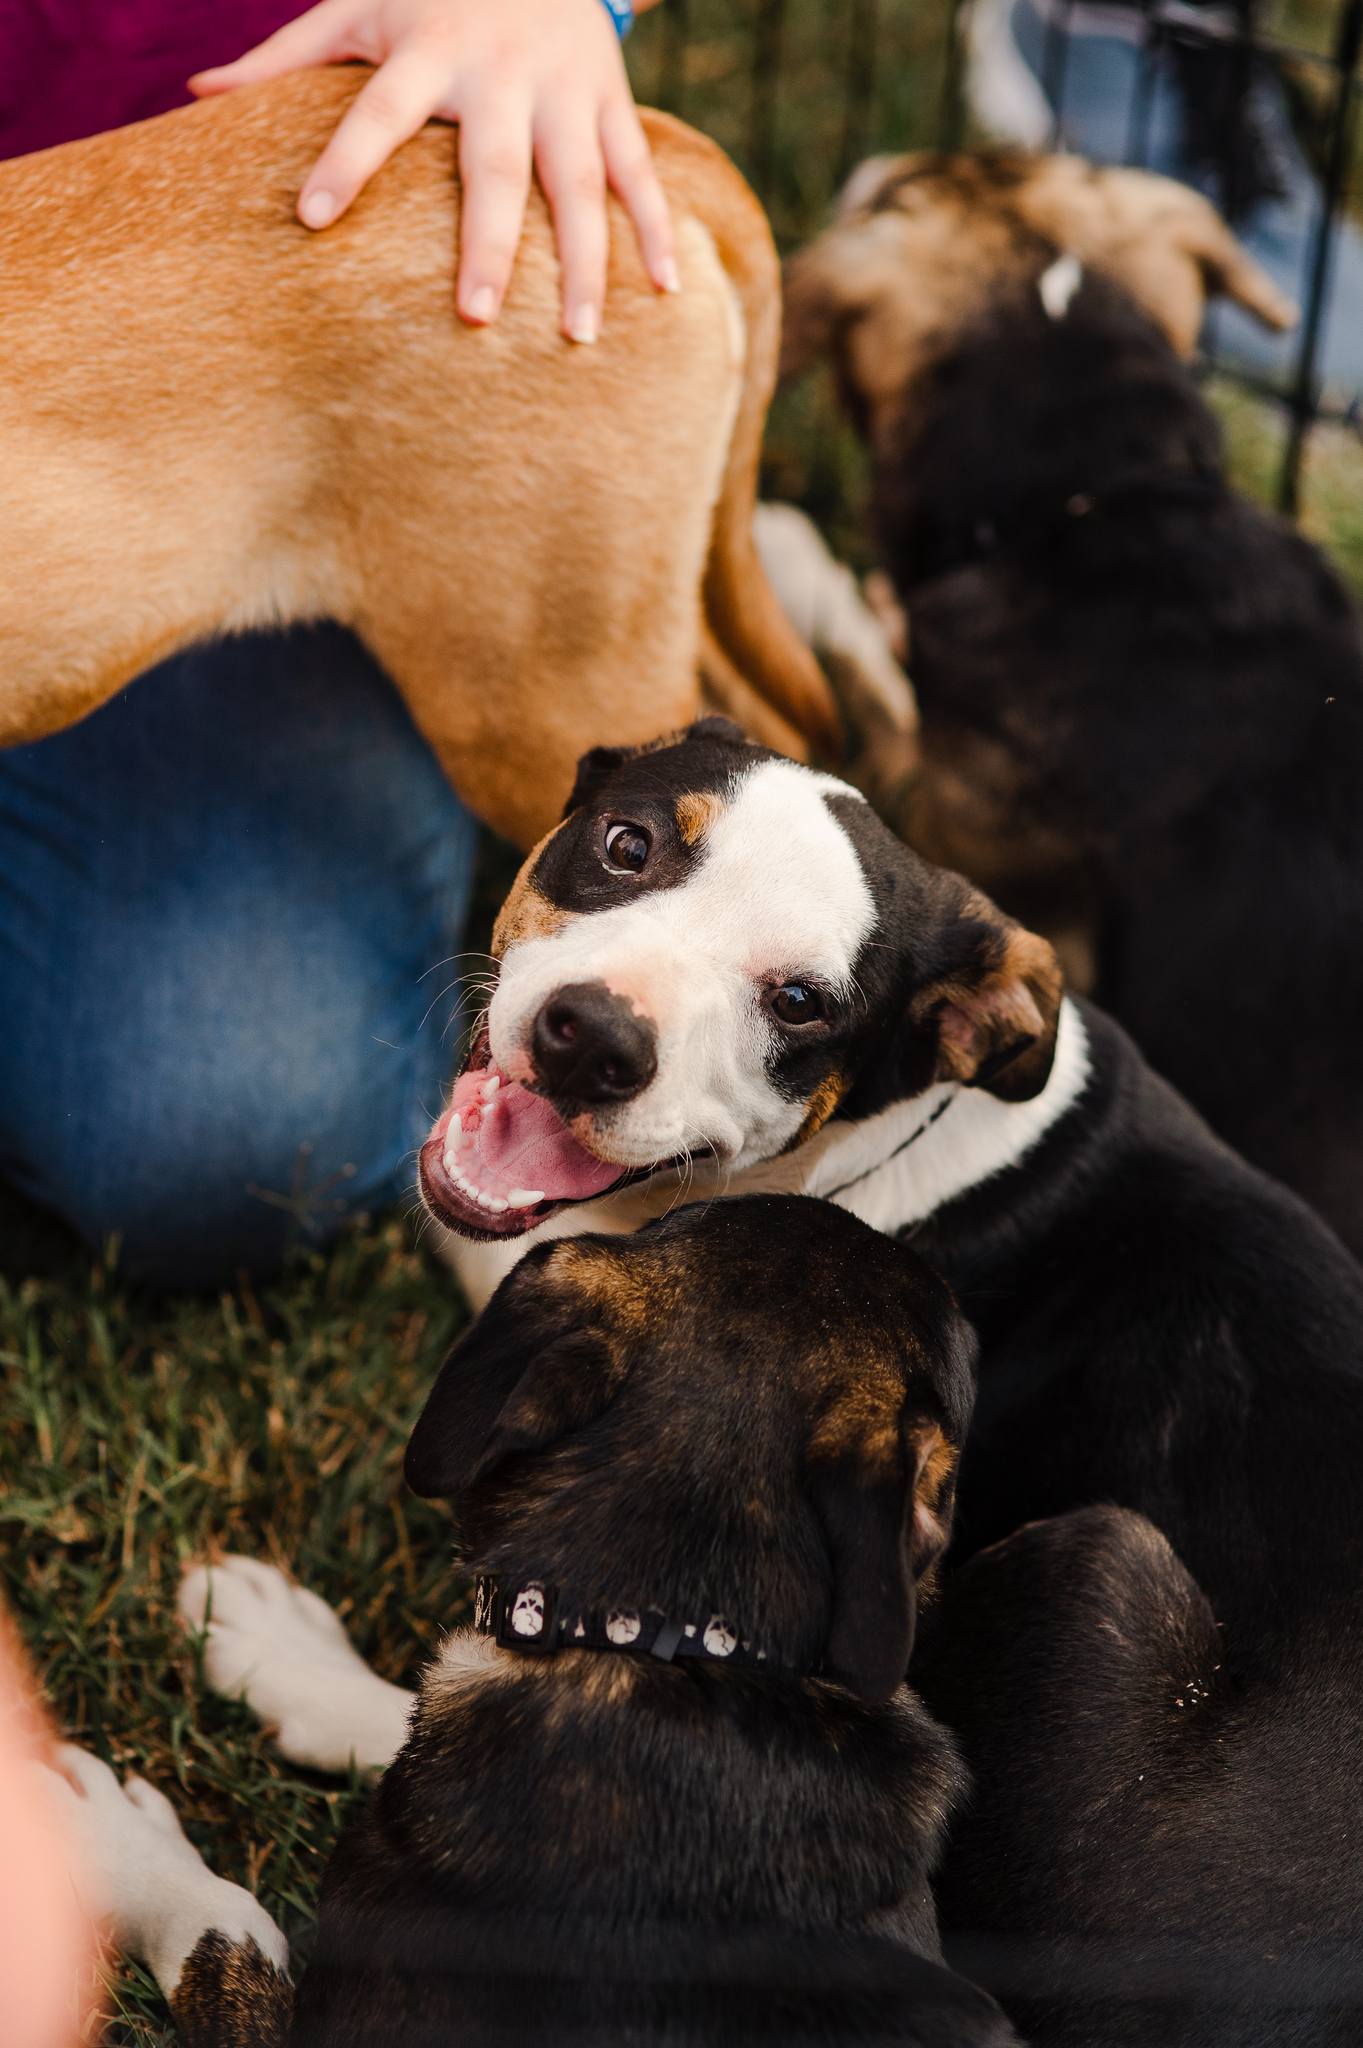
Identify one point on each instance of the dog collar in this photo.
(528, 1616)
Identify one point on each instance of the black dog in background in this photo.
(671, 1787)
(1164, 1724)
(1140, 693)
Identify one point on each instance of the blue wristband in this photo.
(622, 14)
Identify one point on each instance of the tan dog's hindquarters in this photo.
(214, 419)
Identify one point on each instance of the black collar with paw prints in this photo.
(530, 1617)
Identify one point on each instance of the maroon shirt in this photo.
(74, 67)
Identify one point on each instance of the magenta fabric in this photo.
(74, 67)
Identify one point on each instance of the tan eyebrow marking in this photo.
(527, 913)
(695, 815)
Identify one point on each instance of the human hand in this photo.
(531, 83)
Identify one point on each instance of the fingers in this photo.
(398, 99)
(314, 38)
(629, 168)
(573, 174)
(553, 97)
(494, 170)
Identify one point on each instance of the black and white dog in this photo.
(670, 1787)
(722, 972)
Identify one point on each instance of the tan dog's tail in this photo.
(741, 609)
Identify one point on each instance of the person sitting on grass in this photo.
(222, 895)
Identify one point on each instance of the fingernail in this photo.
(585, 324)
(316, 209)
(668, 276)
(482, 306)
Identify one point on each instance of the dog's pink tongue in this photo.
(512, 1139)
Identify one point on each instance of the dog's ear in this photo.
(993, 1012)
(813, 286)
(882, 1479)
(1174, 253)
(516, 1381)
(829, 284)
(717, 727)
(594, 771)
(596, 767)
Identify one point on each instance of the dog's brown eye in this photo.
(795, 1003)
(627, 847)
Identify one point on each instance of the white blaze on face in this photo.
(778, 892)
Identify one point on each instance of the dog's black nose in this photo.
(590, 1047)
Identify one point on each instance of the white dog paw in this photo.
(286, 1653)
(141, 1873)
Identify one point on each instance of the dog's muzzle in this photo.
(591, 1049)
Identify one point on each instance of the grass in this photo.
(136, 1433)
(139, 1433)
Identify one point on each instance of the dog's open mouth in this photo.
(501, 1159)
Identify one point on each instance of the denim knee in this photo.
(283, 1119)
(221, 899)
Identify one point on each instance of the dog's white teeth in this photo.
(454, 1130)
(491, 1086)
(524, 1198)
(494, 1204)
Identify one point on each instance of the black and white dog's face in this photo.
(716, 952)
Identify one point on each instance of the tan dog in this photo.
(214, 420)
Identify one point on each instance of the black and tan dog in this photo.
(671, 1788)
(1141, 696)
(731, 956)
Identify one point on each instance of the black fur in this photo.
(1171, 1347)
(1172, 681)
(1166, 1730)
(605, 1848)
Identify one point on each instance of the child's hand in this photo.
(539, 80)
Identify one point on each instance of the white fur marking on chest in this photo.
(1057, 285)
(860, 1166)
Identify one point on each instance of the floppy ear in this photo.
(864, 1507)
(1227, 268)
(813, 285)
(596, 767)
(1182, 254)
(995, 1011)
(594, 770)
(883, 1479)
(516, 1381)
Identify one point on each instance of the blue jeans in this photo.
(225, 901)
